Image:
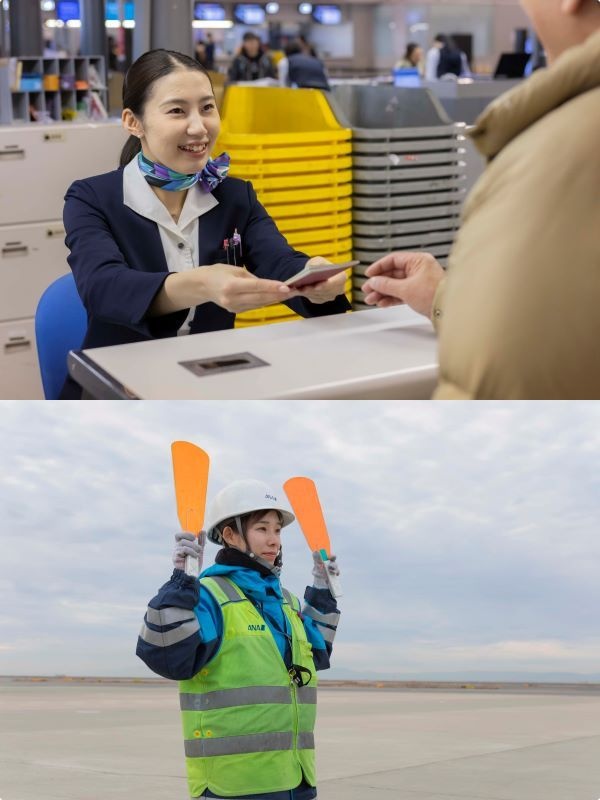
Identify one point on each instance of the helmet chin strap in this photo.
(274, 568)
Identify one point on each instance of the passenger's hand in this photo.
(323, 291)
(410, 278)
(236, 290)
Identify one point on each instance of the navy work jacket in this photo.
(119, 264)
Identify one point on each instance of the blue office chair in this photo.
(60, 325)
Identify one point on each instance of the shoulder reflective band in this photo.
(169, 637)
(250, 695)
(167, 616)
(287, 596)
(234, 745)
(226, 587)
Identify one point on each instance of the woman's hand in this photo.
(323, 291)
(236, 289)
(186, 544)
(232, 288)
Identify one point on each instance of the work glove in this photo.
(186, 544)
(321, 568)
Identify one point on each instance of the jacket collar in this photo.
(575, 72)
(138, 195)
(251, 581)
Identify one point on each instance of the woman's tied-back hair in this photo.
(138, 83)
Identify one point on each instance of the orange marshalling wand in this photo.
(190, 473)
(304, 499)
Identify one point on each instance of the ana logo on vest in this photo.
(256, 627)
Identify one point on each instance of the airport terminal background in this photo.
(61, 71)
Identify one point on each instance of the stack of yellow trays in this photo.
(288, 143)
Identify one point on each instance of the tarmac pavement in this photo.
(79, 741)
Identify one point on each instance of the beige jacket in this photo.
(519, 314)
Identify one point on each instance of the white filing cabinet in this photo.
(39, 162)
(37, 165)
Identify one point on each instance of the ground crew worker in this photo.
(244, 651)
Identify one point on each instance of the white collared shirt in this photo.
(179, 239)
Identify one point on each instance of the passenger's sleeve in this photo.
(268, 255)
(109, 288)
(320, 615)
(437, 308)
(182, 628)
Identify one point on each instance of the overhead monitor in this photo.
(112, 10)
(209, 12)
(67, 10)
(249, 14)
(327, 15)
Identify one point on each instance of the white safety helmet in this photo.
(239, 498)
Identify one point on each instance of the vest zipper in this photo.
(296, 716)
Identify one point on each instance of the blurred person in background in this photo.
(209, 45)
(200, 54)
(300, 69)
(412, 59)
(445, 59)
(307, 46)
(251, 63)
(517, 313)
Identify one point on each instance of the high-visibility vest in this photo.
(248, 727)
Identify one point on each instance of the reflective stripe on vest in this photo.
(251, 743)
(250, 695)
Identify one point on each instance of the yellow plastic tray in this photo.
(277, 112)
(289, 225)
(252, 323)
(325, 236)
(280, 211)
(268, 197)
(337, 256)
(298, 152)
(308, 181)
(251, 171)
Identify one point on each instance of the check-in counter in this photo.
(376, 354)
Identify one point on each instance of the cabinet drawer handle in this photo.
(9, 154)
(13, 344)
(15, 250)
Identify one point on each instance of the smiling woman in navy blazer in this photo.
(137, 235)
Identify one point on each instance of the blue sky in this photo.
(467, 534)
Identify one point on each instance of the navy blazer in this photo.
(119, 265)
